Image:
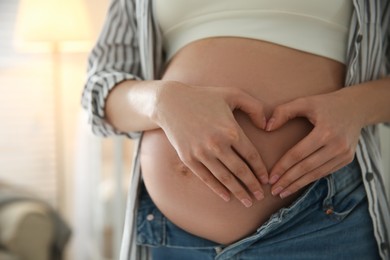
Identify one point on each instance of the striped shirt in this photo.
(130, 47)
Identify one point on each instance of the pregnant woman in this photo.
(257, 126)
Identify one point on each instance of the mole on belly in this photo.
(181, 168)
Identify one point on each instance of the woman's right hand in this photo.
(200, 125)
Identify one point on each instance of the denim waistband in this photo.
(335, 195)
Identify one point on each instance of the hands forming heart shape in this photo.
(224, 158)
(328, 147)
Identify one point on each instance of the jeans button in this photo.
(149, 217)
(329, 211)
(218, 249)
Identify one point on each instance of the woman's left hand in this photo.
(329, 146)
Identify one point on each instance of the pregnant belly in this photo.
(271, 73)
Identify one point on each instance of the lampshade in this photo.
(52, 21)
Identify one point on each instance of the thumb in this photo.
(285, 112)
(254, 108)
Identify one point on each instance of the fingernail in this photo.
(258, 195)
(277, 190)
(264, 179)
(274, 179)
(270, 123)
(247, 203)
(225, 197)
(264, 122)
(284, 194)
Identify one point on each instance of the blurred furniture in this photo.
(29, 228)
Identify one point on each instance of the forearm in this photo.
(131, 104)
(371, 101)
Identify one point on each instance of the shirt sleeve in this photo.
(386, 20)
(114, 58)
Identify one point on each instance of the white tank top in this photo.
(315, 26)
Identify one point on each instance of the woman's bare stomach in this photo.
(269, 72)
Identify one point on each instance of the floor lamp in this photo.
(49, 24)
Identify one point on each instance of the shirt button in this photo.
(150, 217)
(359, 38)
(369, 176)
(384, 246)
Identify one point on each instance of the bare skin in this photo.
(263, 80)
(271, 74)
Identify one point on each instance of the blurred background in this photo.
(46, 149)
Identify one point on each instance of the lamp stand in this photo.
(59, 145)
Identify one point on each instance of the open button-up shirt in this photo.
(130, 47)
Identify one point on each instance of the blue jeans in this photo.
(329, 221)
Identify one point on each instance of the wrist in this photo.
(369, 101)
(353, 102)
(165, 93)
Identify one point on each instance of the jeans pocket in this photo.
(343, 203)
(150, 222)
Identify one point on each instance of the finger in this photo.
(244, 147)
(240, 169)
(297, 153)
(227, 179)
(322, 171)
(302, 168)
(253, 107)
(208, 178)
(337, 161)
(286, 112)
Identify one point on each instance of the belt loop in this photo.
(164, 231)
(327, 204)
